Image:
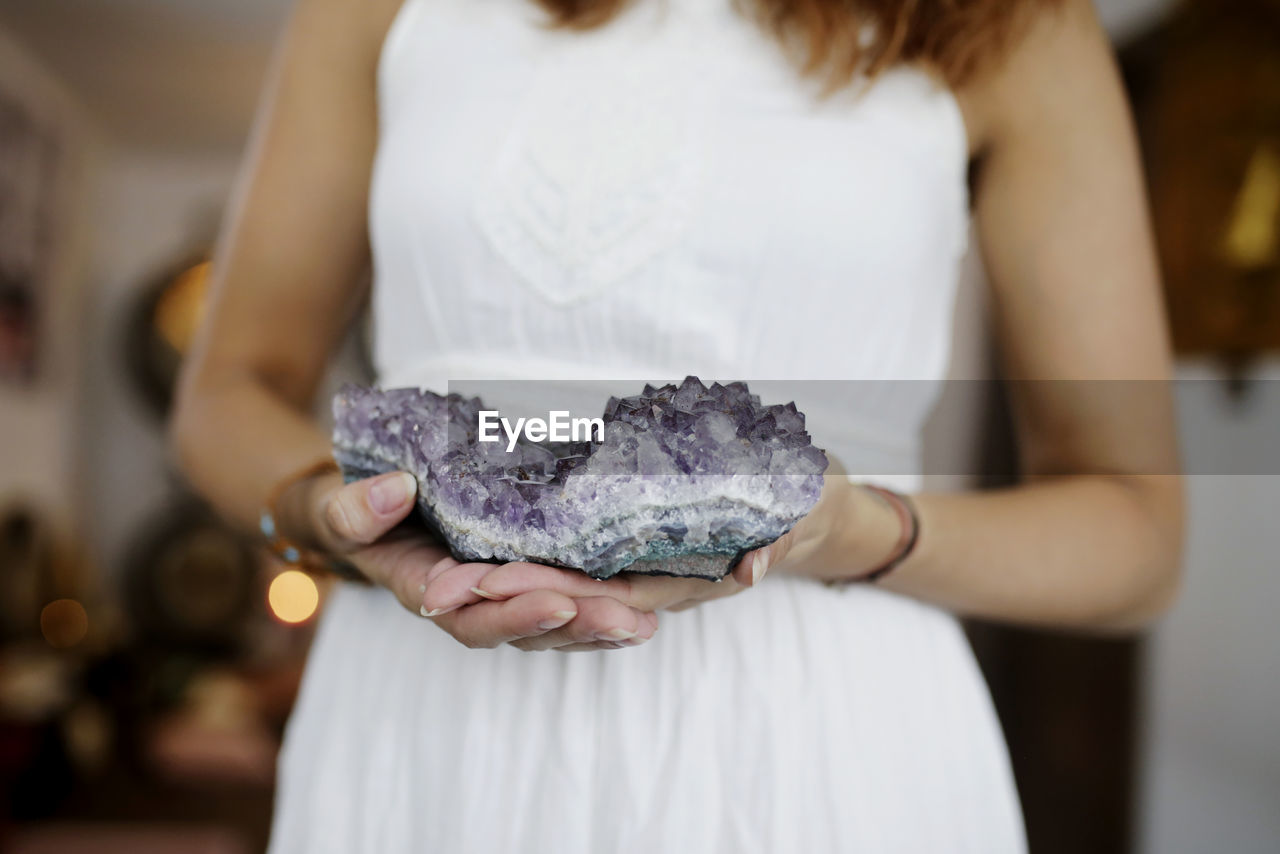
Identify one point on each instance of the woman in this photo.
(653, 190)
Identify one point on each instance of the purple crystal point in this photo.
(686, 479)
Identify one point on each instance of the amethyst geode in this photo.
(686, 479)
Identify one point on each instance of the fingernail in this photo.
(390, 493)
(615, 635)
(759, 566)
(556, 620)
(486, 594)
(435, 612)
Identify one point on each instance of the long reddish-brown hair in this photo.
(839, 39)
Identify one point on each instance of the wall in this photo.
(150, 211)
(38, 458)
(1211, 766)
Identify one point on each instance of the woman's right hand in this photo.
(356, 521)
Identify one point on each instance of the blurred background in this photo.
(149, 656)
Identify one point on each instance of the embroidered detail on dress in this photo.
(599, 174)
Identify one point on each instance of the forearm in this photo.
(236, 438)
(1089, 552)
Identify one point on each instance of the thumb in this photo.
(754, 564)
(359, 513)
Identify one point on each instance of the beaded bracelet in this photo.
(291, 552)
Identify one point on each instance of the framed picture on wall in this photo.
(30, 154)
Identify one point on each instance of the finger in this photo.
(447, 563)
(359, 513)
(403, 567)
(600, 619)
(642, 592)
(488, 624)
(511, 579)
(455, 586)
(649, 626)
(590, 647)
(707, 593)
(656, 592)
(755, 563)
(781, 547)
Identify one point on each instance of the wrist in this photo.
(292, 524)
(875, 534)
(908, 531)
(294, 504)
(858, 532)
(879, 532)
(301, 507)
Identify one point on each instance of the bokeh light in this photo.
(293, 596)
(181, 307)
(64, 623)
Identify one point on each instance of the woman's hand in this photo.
(464, 586)
(848, 532)
(356, 521)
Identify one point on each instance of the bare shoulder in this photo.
(1060, 61)
(360, 26)
(382, 14)
(1060, 206)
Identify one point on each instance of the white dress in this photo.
(660, 197)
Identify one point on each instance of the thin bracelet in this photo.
(908, 536)
(289, 551)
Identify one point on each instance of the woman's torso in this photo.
(657, 198)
